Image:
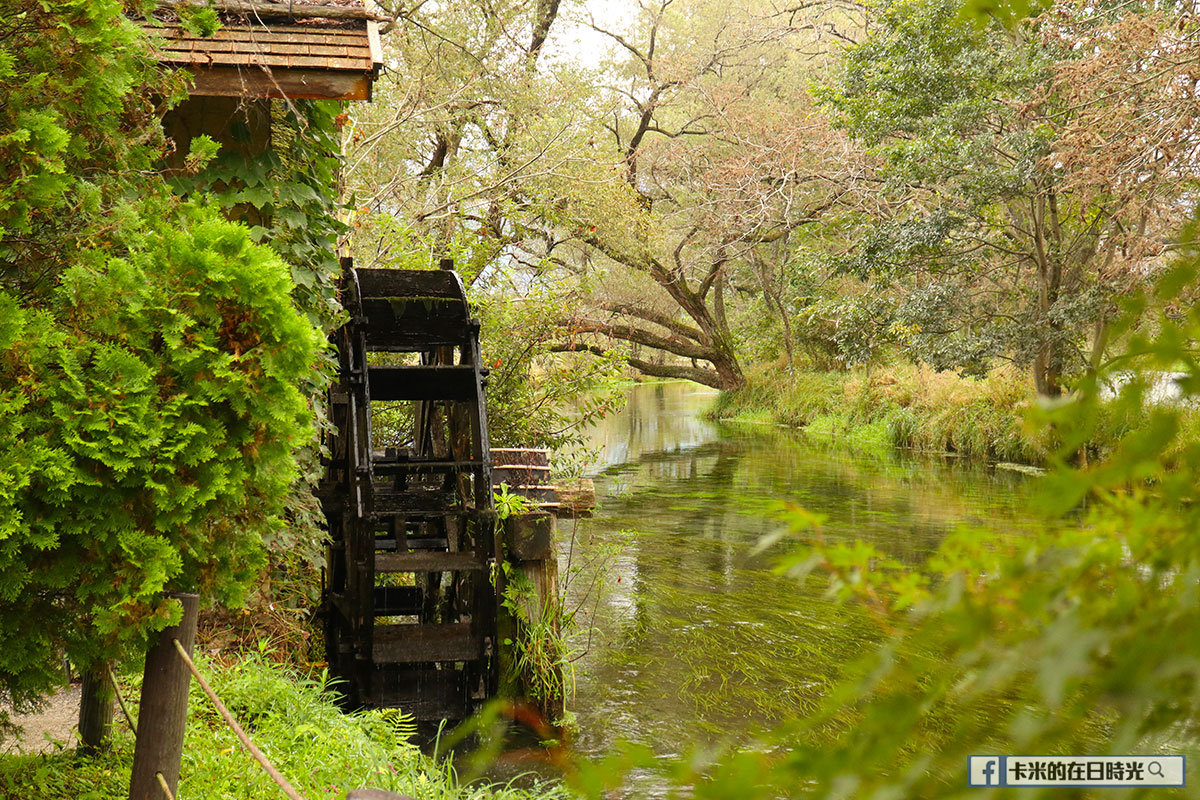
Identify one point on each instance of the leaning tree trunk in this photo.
(729, 372)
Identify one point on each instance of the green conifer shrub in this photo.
(152, 359)
(148, 417)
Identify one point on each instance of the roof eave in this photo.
(261, 82)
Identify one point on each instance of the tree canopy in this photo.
(1011, 237)
(957, 184)
(830, 184)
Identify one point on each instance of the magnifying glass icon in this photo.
(1155, 768)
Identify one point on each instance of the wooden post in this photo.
(95, 710)
(543, 574)
(529, 546)
(163, 714)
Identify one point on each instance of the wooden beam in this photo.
(162, 715)
(375, 43)
(96, 710)
(461, 561)
(405, 337)
(265, 8)
(401, 283)
(520, 456)
(528, 537)
(410, 644)
(426, 694)
(375, 794)
(254, 82)
(423, 503)
(455, 383)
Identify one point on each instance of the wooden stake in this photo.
(162, 717)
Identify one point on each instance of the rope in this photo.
(231, 722)
(112, 679)
(163, 783)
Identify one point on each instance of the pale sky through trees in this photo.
(572, 39)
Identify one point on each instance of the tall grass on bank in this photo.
(321, 751)
(917, 408)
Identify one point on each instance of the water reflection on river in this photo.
(695, 639)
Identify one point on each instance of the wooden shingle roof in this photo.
(257, 55)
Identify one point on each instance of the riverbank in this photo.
(916, 408)
(292, 718)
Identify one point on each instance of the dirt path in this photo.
(55, 723)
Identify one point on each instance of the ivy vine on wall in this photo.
(292, 189)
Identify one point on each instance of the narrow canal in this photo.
(687, 634)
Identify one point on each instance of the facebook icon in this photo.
(985, 771)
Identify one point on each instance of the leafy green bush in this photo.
(290, 186)
(148, 418)
(75, 136)
(288, 191)
(150, 356)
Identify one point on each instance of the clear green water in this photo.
(694, 635)
(693, 638)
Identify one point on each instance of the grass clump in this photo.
(944, 412)
(293, 719)
(918, 408)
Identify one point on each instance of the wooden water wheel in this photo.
(410, 600)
